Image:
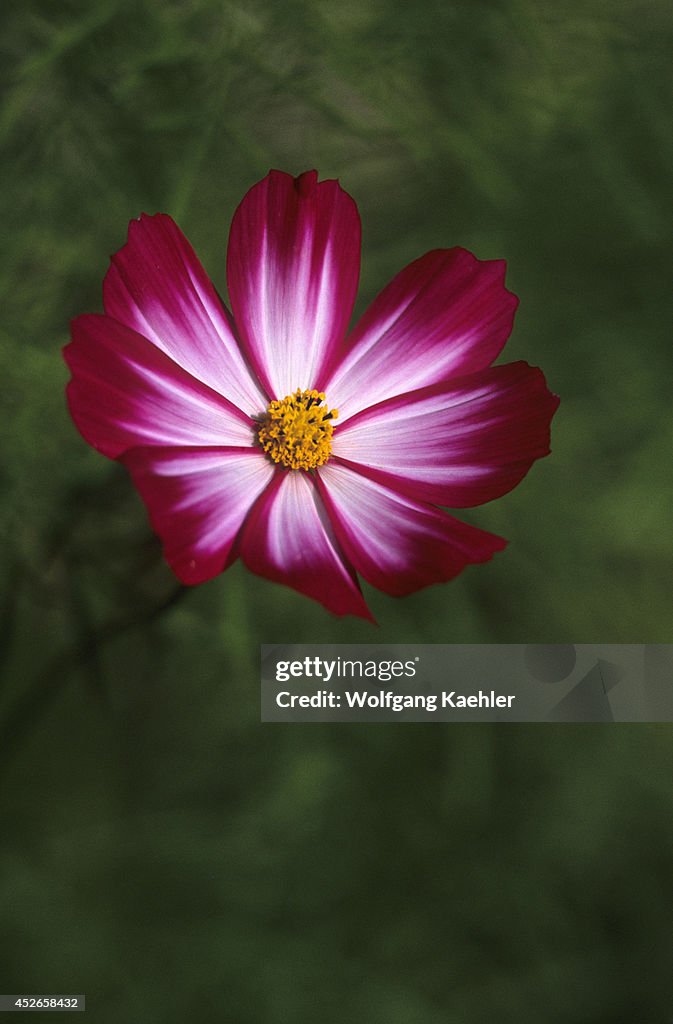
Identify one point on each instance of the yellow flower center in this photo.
(297, 431)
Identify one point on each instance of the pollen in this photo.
(296, 431)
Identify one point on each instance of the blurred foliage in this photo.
(163, 851)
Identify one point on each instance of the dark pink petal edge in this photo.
(197, 500)
(459, 443)
(157, 287)
(445, 315)
(397, 544)
(288, 538)
(125, 392)
(293, 265)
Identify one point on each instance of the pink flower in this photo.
(273, 434)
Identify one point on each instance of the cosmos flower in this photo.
(272, 434)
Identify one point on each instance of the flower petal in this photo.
(445, 315)
(395, 543)
(289, 538)
(293, 265)
(197, 499)
(125, 392)
(458, 444)
(157, 286)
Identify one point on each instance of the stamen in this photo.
(292, 437)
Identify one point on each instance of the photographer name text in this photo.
(387, 700)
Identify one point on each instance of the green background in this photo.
(161, 850)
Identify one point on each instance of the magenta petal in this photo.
(288, 538)
(445, 315)
(197, 501)
(397, 544)
(125, 392)
(157, 286)
(458, 444)
(293, 265)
